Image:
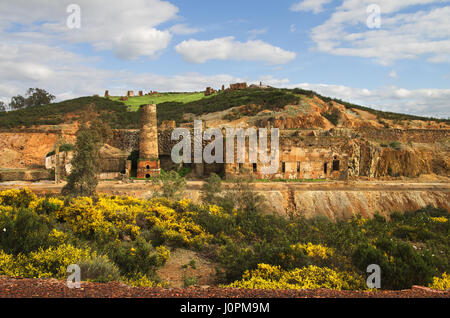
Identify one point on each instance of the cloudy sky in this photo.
(397, 60)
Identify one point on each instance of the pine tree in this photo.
(83, 179)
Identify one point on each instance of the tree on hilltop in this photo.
(34, 97)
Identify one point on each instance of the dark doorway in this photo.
(325, 168)
(147, 176)
(298, 166)
(336, 164)
(255, 167)
(283, 167)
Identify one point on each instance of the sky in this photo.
(392, 55)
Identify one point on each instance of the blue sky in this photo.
(402, 64)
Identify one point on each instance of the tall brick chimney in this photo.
(148, 163)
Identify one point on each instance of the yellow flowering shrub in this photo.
(175, 226)
(6, 209)
(313, 250)
(17, 197)
(51, 262)
(163, 254)
(121, 212)
(141, 280)
(7, 265)
(311, 277)
(57, 237)
(442, 283)
(441, 219)
(86, 219)
(47, 205)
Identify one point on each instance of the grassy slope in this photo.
(171, 106)
(136, 101)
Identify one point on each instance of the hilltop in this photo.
(284, 108)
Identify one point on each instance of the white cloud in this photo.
(255, 32)
(228, 48)
(184, 29)
(141, 42)
(393, 74)
(316, 6)
(127, 27)
(403, 35)
(422, 102)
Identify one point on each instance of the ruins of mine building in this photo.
(209, 91)
(338, 153)
(238, 86)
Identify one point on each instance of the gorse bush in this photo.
(441, 282)
(311, 277)
(51, 262)
(128, 239)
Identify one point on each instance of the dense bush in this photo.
(311, 277)
(136, 257)
(40, 236)
(23, 231)
(99, 269)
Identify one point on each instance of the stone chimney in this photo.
(148, 163)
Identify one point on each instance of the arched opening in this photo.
(147, 176)
(336, 164)
(148, 167)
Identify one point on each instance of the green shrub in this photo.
(23, 231)
(332, 118)
(62, 148)
(189, 280)
(99, 269)
(401, 266)
(171, 185)
(135, 257)
(396, 145)
(211, 189)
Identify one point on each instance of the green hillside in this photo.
(135, 101)
(171, 106)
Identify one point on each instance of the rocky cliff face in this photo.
(376, 161)
(343, 204)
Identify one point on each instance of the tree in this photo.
(211, 190)
(243, 196)
(2, 106)
(38, 97)
(17, 102)
(34, 97)
(85, 164)
(170, 184)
